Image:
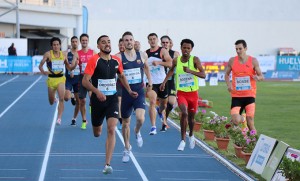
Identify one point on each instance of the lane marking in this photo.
(20, 96)
(93, 178)
(136, 164)
(47, 152)
(9, 80)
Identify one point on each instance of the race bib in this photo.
(186, 80)
(58, 66)
(133, 76)
(107, 86)
(242, 83)
(83, 66)
(76, 71)
(154, 69)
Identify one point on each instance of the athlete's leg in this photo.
(250, 112)
(51, 95)
(152, 111)
(82, 108)
(183, 120)
(162, 109)
(97, 130)
(61, 93)
(170, 104)
(76, 109)
(126, 131)
(111, 138)
(140, 118)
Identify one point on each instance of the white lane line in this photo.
(47, 152)
(20, 96)
(9, 80)
(136, 164)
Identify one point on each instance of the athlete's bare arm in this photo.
(169, 74)
(259, 76)
(146, 69)
(89, 86)
(227, 74)
(197, 65)
(124, 82)
(166, 56)
(45, 58)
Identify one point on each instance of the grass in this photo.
(277, 108)
(276, 116)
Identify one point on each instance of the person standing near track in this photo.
(101, 70)
(158, 60)
(165, 43)
(187, 69)
(119, 85)
(134, 64)
(72, 78)
(137, 46)
(245, 72)
(83, 55)
(56, 61)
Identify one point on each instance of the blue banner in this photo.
(15, 64)
(281, 74)
(288, 63)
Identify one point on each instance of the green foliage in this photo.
(291, 168)
(200, 116)
(235, 134)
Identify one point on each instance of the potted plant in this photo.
(208, 126)
(199, 119)
(290, 167)
(235, 134)
(250, 138)
(221, 131)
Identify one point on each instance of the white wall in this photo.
(213, 25)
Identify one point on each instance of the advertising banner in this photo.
(261, 153)
(288, 63)
(15, 64)
(266, 63)
(282, 74)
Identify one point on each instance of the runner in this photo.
(84, 55)
(165, 42)
(101, 70)
(56, 60)
(158, 59)
(134, 64)
(119, 85)
(137, 46)
(72, 78)
(245, 72)
(188, 69)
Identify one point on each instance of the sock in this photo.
(120, 120)
(84, 121)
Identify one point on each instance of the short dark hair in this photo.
(187, 41)
(102, 36)
(55, 39)
(74, 37)
(84, 35)
(243, 42)
(152, 34)
(165, 36)
(127, 33)
(120, 40)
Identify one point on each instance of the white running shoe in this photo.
(107, 170)
(181, 145)
(126, 156)
(139, 139)
(58, 122)
(153, 130)
(192, 142)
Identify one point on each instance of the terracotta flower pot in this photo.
(222, 143)
(197, 126)
(246, 156)
(209, 135)
(238, 151)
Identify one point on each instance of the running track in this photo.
(33, 148)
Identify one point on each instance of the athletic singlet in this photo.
(103, 73)
(243, 83)
(158, 72)
(84, 58)
(76, 71)
(186, 82)
(171, 53)
(134, 70)
(55, 65)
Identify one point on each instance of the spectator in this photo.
(12, 50)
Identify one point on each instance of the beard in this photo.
(106, 51)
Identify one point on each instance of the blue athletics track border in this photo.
(33, 148)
